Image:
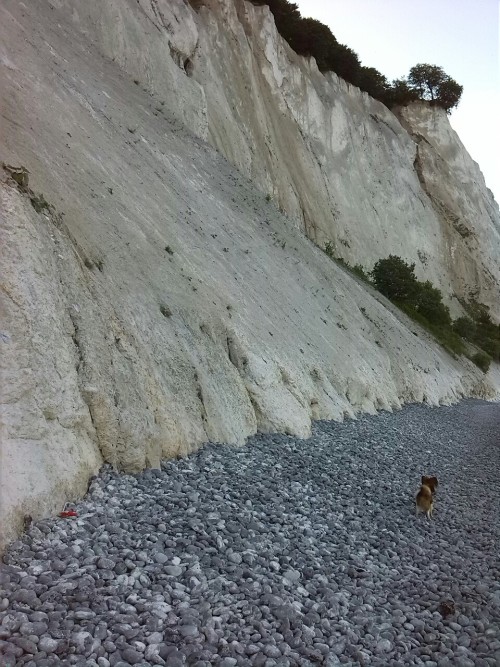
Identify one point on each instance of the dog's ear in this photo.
(424, 479)
(434, 481)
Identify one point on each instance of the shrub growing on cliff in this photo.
(330, 249)
(373, 82)
(465, 327)
(433, 84)
(423, 302)
(395, 279)
(310, 37)
(399, 93)
(444, 334)
(429, 303)
(479, 329)
(482, 361)
(357, 269)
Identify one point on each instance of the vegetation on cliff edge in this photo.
(310, 37)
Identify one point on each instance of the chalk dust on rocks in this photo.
(284, 552)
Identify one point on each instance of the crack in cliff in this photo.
(231, 353)
(417, 162)
(144, 12)
(85, 393)
(76, 341)
(184, 62)
(199, 394)
(442, 210)
(159, 15)
(381, 121)
(18, 305)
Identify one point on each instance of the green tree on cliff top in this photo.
(433, 84)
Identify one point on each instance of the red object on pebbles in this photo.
(67, 513)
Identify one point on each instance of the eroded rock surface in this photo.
(339, 162)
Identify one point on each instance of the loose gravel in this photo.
(284, 552)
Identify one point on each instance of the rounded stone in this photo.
(48, 645)
(132, 656)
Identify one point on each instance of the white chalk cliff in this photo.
(163, 300)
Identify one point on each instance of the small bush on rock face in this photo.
(395, 279)
(450, 340)
(465, 327)
(492, 347)
(330, 250)
(478, 328)
(482, 361)
(358, 270)
(39, 203)
(423, 302)
(429, 302)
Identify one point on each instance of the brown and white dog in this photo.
(425, 497)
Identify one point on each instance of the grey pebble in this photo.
(132, 656)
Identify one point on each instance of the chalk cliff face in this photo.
(336, 160)
(162, 300)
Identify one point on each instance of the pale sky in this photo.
(461, 36)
